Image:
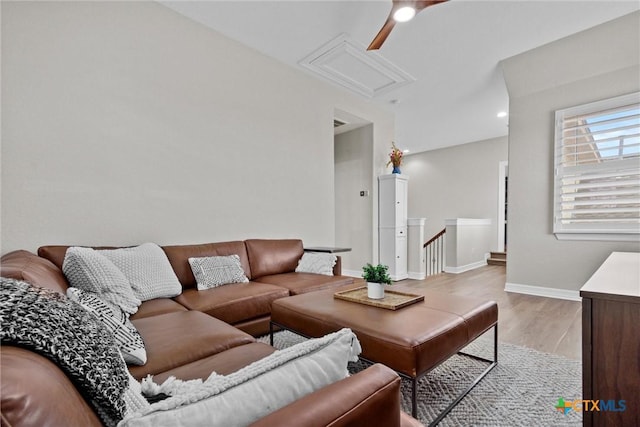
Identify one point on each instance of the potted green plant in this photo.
(376, 277)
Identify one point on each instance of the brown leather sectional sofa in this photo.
(194, 334)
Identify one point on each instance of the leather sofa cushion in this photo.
(155, 307)
(235, 302)
(273, 256)
(182, 337)
(24, 265)
(56, 253)
(300, 283)
(223, 363)
(179, 258)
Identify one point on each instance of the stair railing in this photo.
(435, 253)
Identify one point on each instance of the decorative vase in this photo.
(396, 169)
(375, 290)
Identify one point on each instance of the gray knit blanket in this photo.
(46, 322)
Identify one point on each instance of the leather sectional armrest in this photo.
(36, 393)
(370, 397)
(27, 266)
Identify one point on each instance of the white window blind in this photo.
(597, 170)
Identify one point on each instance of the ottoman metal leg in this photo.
(271, 333)
(461, 396)
(414, 397)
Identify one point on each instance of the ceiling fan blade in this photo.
(383, 33)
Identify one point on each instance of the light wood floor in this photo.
(545, 324)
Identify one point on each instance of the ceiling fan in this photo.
(401, 11)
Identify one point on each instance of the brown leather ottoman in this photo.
(411, 340)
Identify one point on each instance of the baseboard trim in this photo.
(417, 275)
(541, 291)
(463, 268)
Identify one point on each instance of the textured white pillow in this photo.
(116, 321)
(217, 270)
(87, 269)
(316, 262)
(148, 270)
(270, 383)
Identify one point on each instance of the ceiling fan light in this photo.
(404, 14)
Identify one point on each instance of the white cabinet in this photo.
(392, 219)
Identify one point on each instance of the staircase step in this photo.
(497, 258)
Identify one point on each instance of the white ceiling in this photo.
(452, 50)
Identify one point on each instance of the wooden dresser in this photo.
(611, 341)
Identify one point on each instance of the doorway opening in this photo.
(503, 188)
(353, 192)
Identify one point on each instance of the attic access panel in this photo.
(345, 62)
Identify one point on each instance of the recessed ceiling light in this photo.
(405, 151)
(502, 114)
(404, 14)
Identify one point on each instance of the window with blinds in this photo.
(597, 170)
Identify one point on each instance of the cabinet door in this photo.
(387, 247)
(387, 203)
(392, 201)
(400, 267)
(401, 192)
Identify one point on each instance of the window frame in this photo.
(613, 231)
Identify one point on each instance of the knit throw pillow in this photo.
(217, 270)
(117, 322)
(148, 270)
(87, 269)
(317, 263)
(50, 324)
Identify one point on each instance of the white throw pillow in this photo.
(270, 383)
(148, 270)
(116, 321)
(317, 262)
(217, 270)
(87, 269)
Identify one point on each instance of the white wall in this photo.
(353, 171)
(467, 243)
(124, 122)
(456, 182)
(599, 63)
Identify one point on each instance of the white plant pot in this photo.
(375, 290)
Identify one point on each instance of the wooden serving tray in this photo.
(392, 300)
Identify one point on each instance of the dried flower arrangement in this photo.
(395, 158)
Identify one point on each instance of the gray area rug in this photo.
(522, 390)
